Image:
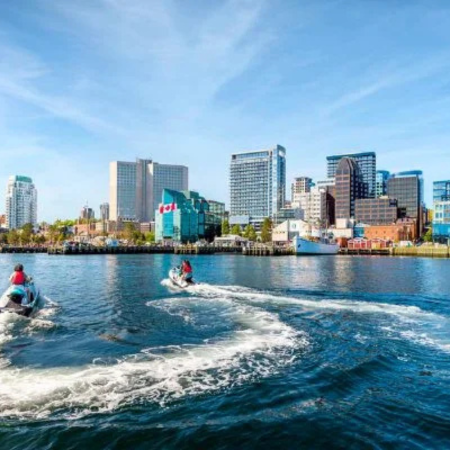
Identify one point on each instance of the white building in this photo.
(258, 183)
(135, 188)
(21, 202)
(301, 185)
(313, 205)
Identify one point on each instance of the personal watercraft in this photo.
(20, 299)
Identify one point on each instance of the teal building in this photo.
(184, 217)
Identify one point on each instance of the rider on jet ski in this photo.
(186, 271)
(18, 277)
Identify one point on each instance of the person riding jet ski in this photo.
(18, 277)
(186, 271)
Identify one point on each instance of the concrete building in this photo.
(286, 231)
(136, 187)
(408, 189)
(183, 217)
(367, 163)
(258, 183)
(313, 206)
(381, 184)
(21, 202)
(402, 230)
(350, 185)
(376, 211)
(301, 185)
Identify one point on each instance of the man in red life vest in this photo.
(18, 277)
(186, 271)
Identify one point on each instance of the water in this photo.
(326, 352)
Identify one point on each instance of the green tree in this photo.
(13, 237)
(150, 236)
(428, 236)
(266, 230)
(26, 233)
(236, 230)
(250, 233)
(129, 232)
(225, 227)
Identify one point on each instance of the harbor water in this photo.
(332, 352)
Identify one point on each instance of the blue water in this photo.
(326, 352)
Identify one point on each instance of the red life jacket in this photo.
(187, 268)
(18, 278)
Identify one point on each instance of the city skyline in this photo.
(191, 84)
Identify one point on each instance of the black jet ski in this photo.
(174, 275)
(22, 300)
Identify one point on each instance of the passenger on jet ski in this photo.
(18, 277)
(186, 271)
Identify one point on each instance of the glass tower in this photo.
(441, 191)
(367, 163)
(258, 183)
(381, 183)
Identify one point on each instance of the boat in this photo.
(22, 300)
(174, 275)
(321, 246)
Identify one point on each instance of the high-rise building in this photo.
(87, 213)
(408, 189)
(258, 183)
(367, 163)
(21, 202)
(350, 185)
(313, 206)
(301, 185)
(381, 183)
(136, 187)
(376, 211)
(441, 191)
(104, 212)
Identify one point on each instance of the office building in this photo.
(381, 183)
(258, 183)
(313, 206)
(87, 213)
(217, 211)
(441, 191)
(21, 202)
(408, 189)
(376, 211)
(350, 185)
(301, 185)
(182, 217)
(367, 163)
(104, 211)
(136, 187)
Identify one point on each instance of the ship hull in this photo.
(305, 247)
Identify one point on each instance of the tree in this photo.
(266, 230)
(236, 230)
(13, 237)
(129, 231)
(26, 233)
(150, 236)
(250, 233)
(428, 236)
(225, 227)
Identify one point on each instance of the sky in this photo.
(86, 82)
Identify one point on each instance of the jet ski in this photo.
(174, 275)
(20, 299)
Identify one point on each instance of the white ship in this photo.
(323, 246)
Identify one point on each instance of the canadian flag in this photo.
(167, 208)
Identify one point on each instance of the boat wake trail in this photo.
(257, 345)
(410, 323)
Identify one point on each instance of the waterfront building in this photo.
(104, 211)
(376, 211)
(402, 230)
(258, 183)
(184, 217)
(381, 183)
(441, 191)
(136, 187)
(217, 211)
(350, 185)
(21, 202)
(287, 214)
(87, 213)
(285, 232)
(367, 163)
(408, 189)
(301, 185)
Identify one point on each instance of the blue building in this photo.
(441, 191)
(381, 183)
(182, 217)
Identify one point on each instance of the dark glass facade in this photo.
(350, 186)
(376, 211)
(407, 188)
(441, 191)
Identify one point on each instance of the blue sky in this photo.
(86, 82)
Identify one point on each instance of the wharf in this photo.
(364, 251)
(22, 249)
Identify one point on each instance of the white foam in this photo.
(261, 346)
